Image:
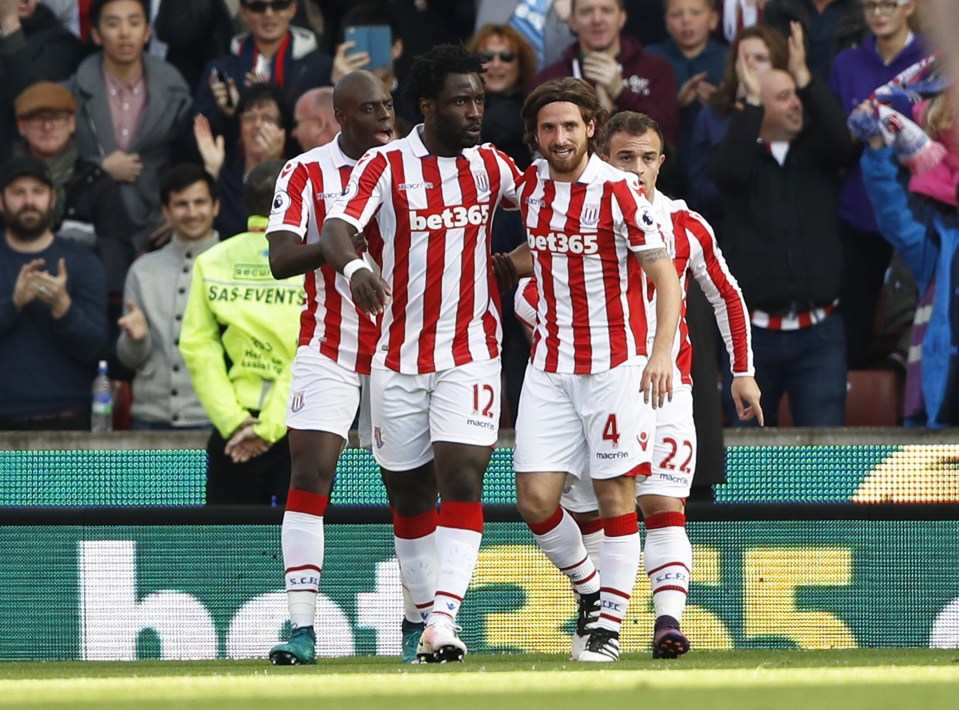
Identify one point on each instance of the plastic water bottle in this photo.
(101, 416)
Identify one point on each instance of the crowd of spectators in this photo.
(100, 98)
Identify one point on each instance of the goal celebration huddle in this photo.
(402, 321)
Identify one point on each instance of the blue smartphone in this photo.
(375, 40)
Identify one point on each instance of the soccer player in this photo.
(590, 232)
(335, 345)
(634, 143)
(435, 381)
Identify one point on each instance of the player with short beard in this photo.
(591, 372)
(435, 382)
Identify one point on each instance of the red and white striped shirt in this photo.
(435, 215)
(329, 322)
(692, 245)
(526, 302)
(591, 314)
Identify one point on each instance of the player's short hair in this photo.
(96, 9)
(568, 89)
(178, 178)
(260, 186)
(428, 74)
(635, 124)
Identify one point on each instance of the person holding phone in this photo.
(273, 52)
(370, 40)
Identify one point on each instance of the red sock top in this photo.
(665, 520)
(588, 527)
(545, 526)
(305, 502)
(621, 525)
(411, 527)
(465, 516)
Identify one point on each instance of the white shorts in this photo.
(674, 458)
(364, 426)
(324, 395)
(674, 454)
(409, 412)
(579, 424)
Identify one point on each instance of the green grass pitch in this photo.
(898, 679)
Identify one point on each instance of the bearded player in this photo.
(592, 374)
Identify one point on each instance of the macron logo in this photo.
(449, 218)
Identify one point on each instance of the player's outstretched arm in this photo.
(290, 256)
(746, 395)
(370, 292)
(658, 375)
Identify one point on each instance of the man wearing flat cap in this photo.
(89, 208)
(53, 308)
(34, 46)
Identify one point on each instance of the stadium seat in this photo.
(122, 399)
(873, 398)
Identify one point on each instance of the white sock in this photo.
(415, 542)
(592, 533)
(560, 540)
(619, 557)
(458, 536)
(417, 559)
(301, 538)
(668, 560)
(410, 612)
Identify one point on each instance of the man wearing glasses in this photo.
(88, 208)
(34, 46)
(829, 26)
(273, 52)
